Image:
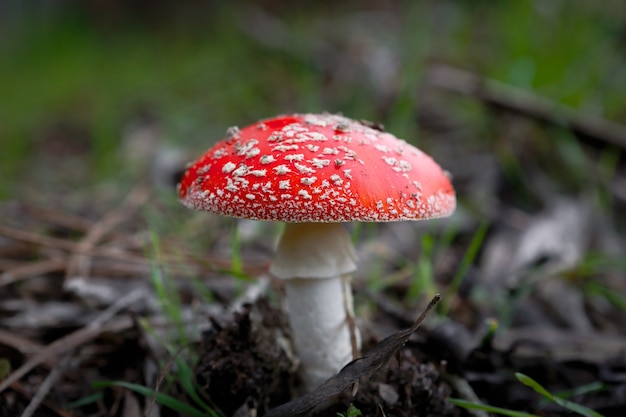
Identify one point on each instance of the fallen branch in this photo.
(352, 373)
(524, 102)
(192, 265)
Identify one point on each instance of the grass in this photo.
(352, 411)
(201, 410)
(469, 259)
(178, 369)
(538, 388)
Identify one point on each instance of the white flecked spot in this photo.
(250, 196)
(228, 167)
(343, 126)
(253, 152)
(267, 159)
(242, 181)
(390, 160)
(382, 148)
(241, 170)
(231, 186)
(258, 172)
(318, 137)
(295, 157)
(339, 162)
(304, 169)
(311, 119)
(285, 148)
(204, 169)
(405, 166)
(330, 151)
(220, 153)
(286, 196)
(308, 181)
(336, 179)
(243, 148)
(284, 184)
(281, 169)
(320, 163)
(305, 194)
(373, 136)
(232, 132)
(348, 173)
(312, 148)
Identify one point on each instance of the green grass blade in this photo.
(576, 408)
(613, 296)
(424, 283)
(235, 249)
(488, 408)
(87, 400)
(187, 380)
(470, 255)
(595, 386)
(160, 398)
(166, 291)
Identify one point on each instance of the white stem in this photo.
(315, 260)
(319, 326)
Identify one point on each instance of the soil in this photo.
(245, 367)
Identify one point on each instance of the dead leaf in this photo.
(352, 373)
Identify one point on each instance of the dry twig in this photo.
(31, 269)
(46, 386)
(527, 103)
(73, 340)
(80, 262)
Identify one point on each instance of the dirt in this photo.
(244, 363)
(245, 367)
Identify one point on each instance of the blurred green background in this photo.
(74, 75)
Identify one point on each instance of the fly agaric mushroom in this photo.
(314, 171)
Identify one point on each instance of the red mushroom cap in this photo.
(317, 168)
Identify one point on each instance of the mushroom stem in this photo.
(315, 260)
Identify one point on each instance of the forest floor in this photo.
(115, 300)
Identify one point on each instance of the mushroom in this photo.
(313, 172)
